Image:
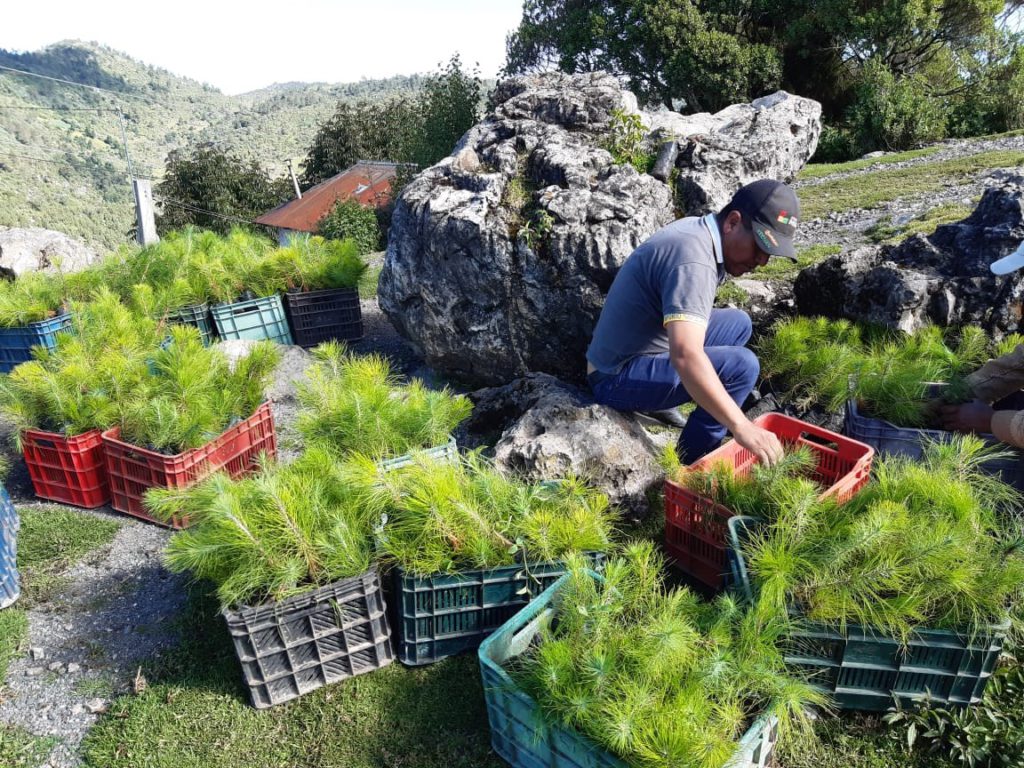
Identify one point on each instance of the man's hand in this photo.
(975, 416)
(760, 442)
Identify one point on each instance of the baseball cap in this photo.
(774, 212)
(1008, 264)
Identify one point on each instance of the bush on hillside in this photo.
(895, 113)
(350, 220)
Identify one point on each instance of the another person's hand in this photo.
(760, 442)
(975, 416)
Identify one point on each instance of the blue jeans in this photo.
(650, 382)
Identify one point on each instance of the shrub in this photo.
(444, 517)
(288, 529)
(355, 403)
(351, 220)
(836, 145)
(626, 141)
(313, 263)
(894, 112)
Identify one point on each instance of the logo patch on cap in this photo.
(785, 218)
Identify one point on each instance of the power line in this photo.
(194, 209)
(79, 85)
(60, 109)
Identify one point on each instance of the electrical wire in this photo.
(80, 85)
(194, 209)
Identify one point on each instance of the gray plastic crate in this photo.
(10, 587)
(449, 451)
(888, 439)
(294, 646)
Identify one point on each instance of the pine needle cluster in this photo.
(449, 516)
(192, 393)
(82, 384)
(825, 362)
(657, 677)
(30, 298)
(921, 546)
(288, 529)
(356, 403)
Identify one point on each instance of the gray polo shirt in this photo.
(673, 275)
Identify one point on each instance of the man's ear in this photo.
(732, 221)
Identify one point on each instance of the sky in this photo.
(242, 46)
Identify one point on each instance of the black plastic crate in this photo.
(446, 614)
(197, 315)
(294, 646)
(318, 316)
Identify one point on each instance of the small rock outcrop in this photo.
(546, 429)
(500, 256)
(943, 278)
(41, 250)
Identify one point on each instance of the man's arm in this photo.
(686, 351)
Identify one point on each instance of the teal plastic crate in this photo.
(447, 614)
(197, 315)
(16, 343)
(10, 586)
(447, 452)
(255, 319)
(862, 668)
(516, 732)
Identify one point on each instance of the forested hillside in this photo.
(62, 163)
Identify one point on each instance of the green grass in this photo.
(817, 170)
(784, 269)
(51, 540)
(195, 713)
(730, 293)
(924, 224)
(872, 189)
(20, 749)
(368, 283)
(853, 742)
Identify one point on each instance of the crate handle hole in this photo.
(821, 440)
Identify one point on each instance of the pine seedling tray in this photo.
(197, 315)
(446, 614)
(297, 645)
(134, 470)
(696, 526)
(319, 316)
(863, 668)
(16, 343)
(255, 319)
(69, 470)
(10, 585)
(524, 739)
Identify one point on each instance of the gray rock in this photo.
(943, 278)
(37, 653)
(34, 671)
(55, 666)
(96, 706)
(73, 668)
(497, 272)
(41, 250)
(549, 428)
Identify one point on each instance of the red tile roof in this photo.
(367, 181)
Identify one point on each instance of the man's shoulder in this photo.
(683, 241)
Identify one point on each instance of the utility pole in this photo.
(145, 232)
(295, 182)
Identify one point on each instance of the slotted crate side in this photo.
(69, 470)
(695, 526)
(16, 343)
(197, 315)
(133, 470)
(446, 614)
(447, 452)
(254, 319)
(864, 669)
(319, 316)
(294, 646)
(10, 583)
(521, 736)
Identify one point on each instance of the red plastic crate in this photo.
(71, 470)
(696, 527)
(133, 470)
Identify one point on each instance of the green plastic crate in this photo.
(197, 315)
(447, 452)
(516, 732)
(446, 614)
(255, 319)
(862, 668)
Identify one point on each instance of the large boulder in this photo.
(943, 278)
(41, 250)
(500, 256)
(546, 428)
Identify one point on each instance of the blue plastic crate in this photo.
(518, 733)
(16, 343)
(10, 586)
(255, 319)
